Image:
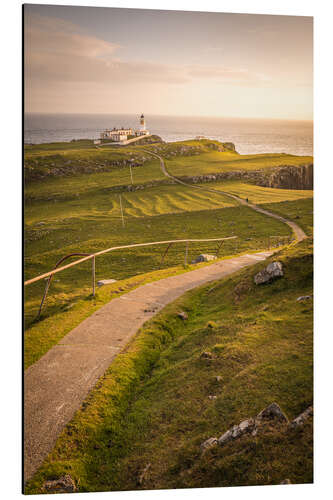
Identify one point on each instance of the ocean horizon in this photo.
(250, 136)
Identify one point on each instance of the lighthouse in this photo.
(142, 123)
(142, 130)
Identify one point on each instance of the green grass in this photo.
(215, 162)
(300, 211)
(183, 158)
(259, 194)
(70, 309)
(54, 189)
(158, 200)
(152, 404)
(45, 245)
(71, 159)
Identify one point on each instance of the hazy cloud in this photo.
(108, 60)
(58, 51)
(227, 75)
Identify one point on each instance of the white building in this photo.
(122, 134)
(117, 134)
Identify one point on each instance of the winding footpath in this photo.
(297, 230)
(56, 385)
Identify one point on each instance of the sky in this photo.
(108, 60)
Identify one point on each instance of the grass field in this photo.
(46, 244)
(215, 162)
(157, 200)
(259, 194)
(150, 408)
(58, 188)
(301, 211)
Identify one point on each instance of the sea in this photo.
(250, 136)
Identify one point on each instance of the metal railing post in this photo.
(93, 275)
(186, 253)
(219, 248)
(121, 211)
(44, 296)
(48, 283)
(165, 253)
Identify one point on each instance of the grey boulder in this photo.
(209, 443)
(245, 427)
(303, 297)
(105, 282)
(271, 272)
(302, 417)
(64, 484)
(271, 412)
(204, 257)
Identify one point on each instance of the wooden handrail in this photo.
(91, 256)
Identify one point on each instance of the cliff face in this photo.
(289, 177)
(285, 177)
(223, 147)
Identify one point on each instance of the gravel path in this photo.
(297, 230)
(56, 385)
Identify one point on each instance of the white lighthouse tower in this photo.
(142, 130)
(142, 123)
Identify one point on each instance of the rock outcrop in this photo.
(272, 412)
(303, 298)
(302, 417)
(271, 415)
(245, 427)
(290, 177)
(64, 484)
(204, 257)
(271, 272)
(143, 474)
(284, 177)
(105, 282)
(207, 355)
(182, 315)
(222, 147)
(209, 443)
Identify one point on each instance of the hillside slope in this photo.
(160, 399)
